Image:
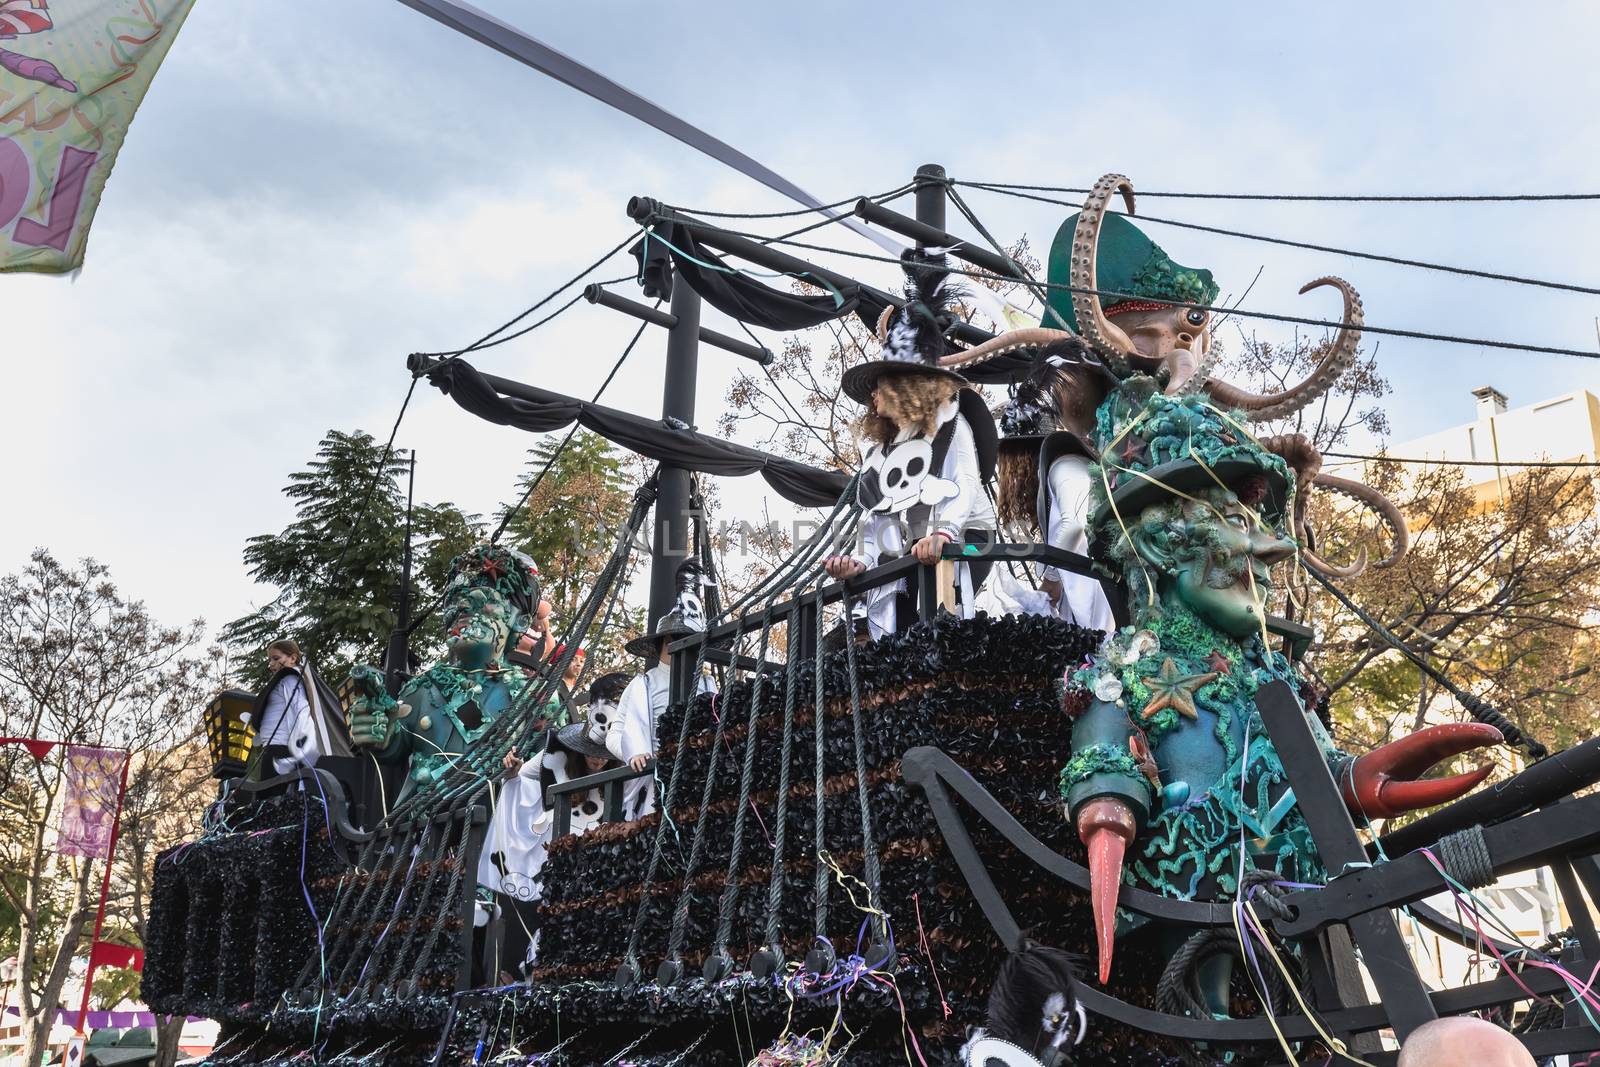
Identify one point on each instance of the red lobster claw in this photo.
(1105, 826)
(1388, 780)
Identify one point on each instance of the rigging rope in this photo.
(1286, 242)
(486, 340)
(818, 724)
(883, 197)
(791, 678)
(1437, 198)
(730, 888)
(1421, 335)
(1478, 708)
(869, 846)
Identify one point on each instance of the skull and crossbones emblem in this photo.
(900, 476)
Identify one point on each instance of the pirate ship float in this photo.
(856, 840)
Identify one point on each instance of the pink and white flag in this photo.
(93, 794)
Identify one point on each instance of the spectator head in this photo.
(1462, 1040)
(281, 654)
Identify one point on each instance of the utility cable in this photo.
(1469, 462)
(1438, 198)
(484, 341)
(1469, 272)
(1420, 335)
(880, 197)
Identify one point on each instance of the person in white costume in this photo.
(298, 719)
(1044, 480)
(929, 447)
(631, 737)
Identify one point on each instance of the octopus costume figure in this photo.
(1172, 782)
(490, 596)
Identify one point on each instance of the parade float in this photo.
(891, 841)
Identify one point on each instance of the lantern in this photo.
(229, 731)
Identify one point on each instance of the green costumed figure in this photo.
(491, 595)
(1172, 782)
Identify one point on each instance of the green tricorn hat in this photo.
(1127, 262)
(1155, 447)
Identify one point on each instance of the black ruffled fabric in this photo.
(539, 411)
(982, 690)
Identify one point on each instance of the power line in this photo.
(562, 447)
(880, 197)
(1469, 462)
(1470, 272)
(1440, 198)
(485, 342)
(1387, 331)
(505, 520)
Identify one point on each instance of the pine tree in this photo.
(338, 565)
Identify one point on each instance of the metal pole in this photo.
(105, 891)
(396, 659)
(672, 545)
(931, 199)
(597, 295)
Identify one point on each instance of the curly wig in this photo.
(1017, 485)
(907, 400)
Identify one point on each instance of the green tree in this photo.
(569, 524)
(337, 567)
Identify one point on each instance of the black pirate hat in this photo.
(913, 335)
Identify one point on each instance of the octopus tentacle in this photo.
(1339, 358)
(1108, 340)
(1304, 459)
(1010, 341)
(1382, 506)
(1329, 570)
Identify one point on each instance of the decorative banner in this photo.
(72, 72)
(93, 795)
(111, 954)
(36, 748)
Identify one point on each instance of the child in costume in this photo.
(930, 447)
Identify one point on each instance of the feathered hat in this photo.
(913, 336)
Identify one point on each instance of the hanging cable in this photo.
(485, 340)
(883, 197)
(1286, 242)
(1383, 458)
(1357, 198)
(1267, 316)
(1478, 708)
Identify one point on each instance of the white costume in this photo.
(514, 847)
(287, 720)
(632, 732)
(955, 498)
(1083, 599)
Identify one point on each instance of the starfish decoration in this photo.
(1169, 689)
(1133, 450)
(493, 568)
(1219, 663)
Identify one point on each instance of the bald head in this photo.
(1460, 1042)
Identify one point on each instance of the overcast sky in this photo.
(311, 190)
